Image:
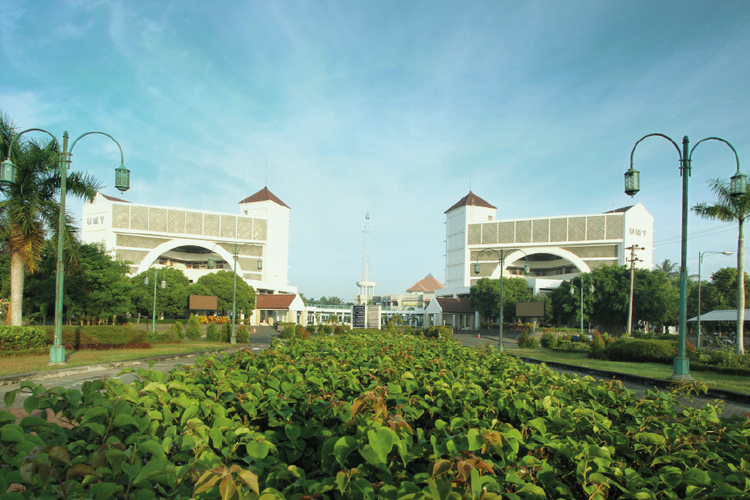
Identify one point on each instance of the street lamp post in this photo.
(700, 261)
(7, 176)
(632, 261)
(573, 291)
(738, 187)
(501, 259)
(163, 285)
(234, 284)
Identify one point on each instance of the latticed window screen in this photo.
(485, 269)
(228, 226)
(210, 224)
(599, 263)
(523, 231)
(614, 227)
(489, 233)
(128, 240)
(244, 228)
(595, 228)
(247, 265)
(252, 276)
(506, 232)
(133, 269)
(139, 218)
(157, 220)
(475, 234)
(260, 229)
(194, 223)
(541, 231)
(559, 230)
(577, 229)
(121, 216)
(596, 252)
(176, 221)
(134, 256)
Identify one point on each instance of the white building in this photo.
(148, 235)
(557, 248)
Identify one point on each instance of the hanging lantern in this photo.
(7, 173)
(122, 178)
(737, 185)
(632, 182)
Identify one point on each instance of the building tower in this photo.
(366, 285)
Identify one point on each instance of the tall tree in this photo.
(485, 297)
(729, 209)
(221, 285)
(171, 301)
(30, 208)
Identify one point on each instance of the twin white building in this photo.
(148, 235)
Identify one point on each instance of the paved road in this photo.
(264, 335)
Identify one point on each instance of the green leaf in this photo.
(696, 477)
(216, 437)
(343, 447)
(9, 398)
(538, 424)
(257, 450)
(190, 411)
(105, 491)
(649, 438)
(152, 447)
(30, 404)
(6, 417)
(292, 432)
(11, 435)
(124, 420)
(382, 442)
(60, 454)
(81, 470)
(153, 467)
(475, 440)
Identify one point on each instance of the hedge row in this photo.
(21, 338)
(99, 337)
(639, 350)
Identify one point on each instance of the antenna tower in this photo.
(366, 285)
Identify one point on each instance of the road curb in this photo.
(64, 372)
(655, 382)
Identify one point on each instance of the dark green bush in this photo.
(243, 334)
(310, 328)
(178, 329)
(212, 332)
(324, 329)
(549, 340)
(226, 332)
(641, 350)
(299, 331)
(527, 342)
(20, 338)
(99, 337)
(194, 329)
(169, 335)
(289, 332)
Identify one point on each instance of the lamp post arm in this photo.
(122, 157)
(15, 139)
(736, 156)
(652, 135)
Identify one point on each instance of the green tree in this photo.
(730, 209)
(194, 330)
(484, 296)
(171, 301)
(220, 285)
(30, 207)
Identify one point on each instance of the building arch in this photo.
(565, 254)
(154, 254)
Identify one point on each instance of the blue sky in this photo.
(391, 107)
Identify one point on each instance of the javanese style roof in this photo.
(427, 284)
(450, 305)
(264, 195)
(470, 199)
(620, 210)
(280, 302)
(721, 315)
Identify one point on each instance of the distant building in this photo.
(181, 238)
(558, 248)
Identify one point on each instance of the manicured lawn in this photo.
(653, 370)
(13, 365)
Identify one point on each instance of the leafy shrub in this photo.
(324, 329)
(729, 359)
(549, 340)
(566, 345)
(597, 343)
(212, 332)
(225, 334)
(437, 332)
(408, 330)
(169, 335)
(641, 350)
(99, 337)
(299, 331)
(288, 332)
(527, 342)
(18, 338)
(310, 328)
(179, 329)
(194, 330)
(243, 334)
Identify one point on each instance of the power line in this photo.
(698, 234)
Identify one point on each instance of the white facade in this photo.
(148, 235)
(558, 248)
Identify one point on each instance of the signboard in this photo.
(358, 316)
(202, 303)
(530, 309)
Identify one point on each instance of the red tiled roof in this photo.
(112, 198)
(470, 199)
(274, 301)
(449, 305)
(427, 284)
(264, 195)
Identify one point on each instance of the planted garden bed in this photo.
(368, 416)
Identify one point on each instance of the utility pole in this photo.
(633, 259)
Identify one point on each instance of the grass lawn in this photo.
(25, 364)
(652, 370)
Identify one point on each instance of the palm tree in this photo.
(667, 267)
(30, 209)
(729, 209)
